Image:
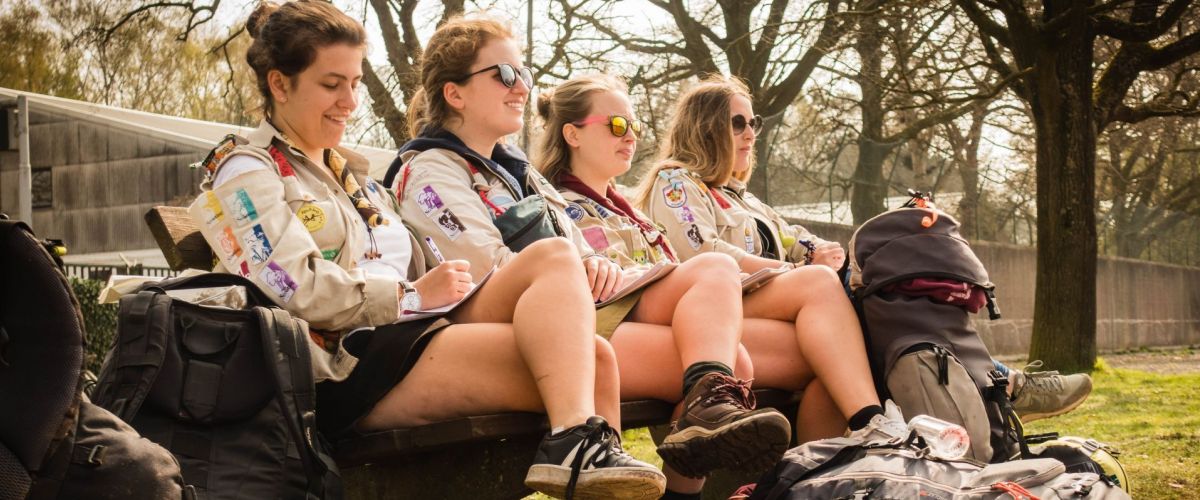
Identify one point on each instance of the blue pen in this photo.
(437, 254)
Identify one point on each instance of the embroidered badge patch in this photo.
(502, 200)
(312, 217)
(257, 244)
(749, 241)
(639, 256)
(279, 281)
(285, 167)
(229, 244)
(674, 194)
(575, 212)
(244, 269)
(450, 225)
(694, 238)
(603, 212)
(684, 215)
(596, 238)
(240, 207)
(428, 200)
(211, 208)
(331, 254)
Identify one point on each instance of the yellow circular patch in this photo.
(312, 216)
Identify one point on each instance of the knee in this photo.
(606, 361)
(552, 252)
(743, 367)
(820, 280)
(713, 266)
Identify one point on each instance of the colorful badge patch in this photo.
(331, 254)
(502, 200)
(450, 225)
(749, 241)
(278, 281)
(639, 256)
(694, 238)
(281, 161)
(243, 269)
(600, 210)
(429, 200)
(684, 215)
(229, 244)
(575, 212)
(258, 245)
(211, 208)
(596, 238)
(674, 194)
(372, 187)
(312, 217)
(240, 207)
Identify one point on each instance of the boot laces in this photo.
(1042, 381)
(733, 391)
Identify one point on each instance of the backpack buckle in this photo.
(96, 456)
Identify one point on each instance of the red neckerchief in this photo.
(614, 202)
(716, 194)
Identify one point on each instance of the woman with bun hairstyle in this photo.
(676, 338)
(291, 210)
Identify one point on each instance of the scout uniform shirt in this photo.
(614, 235)
(776, 238)
(443, 200)
(292, 230)
(695, 222)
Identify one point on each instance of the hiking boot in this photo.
(1038, 395)
(587, 462)
(720, 428)
(884, 427)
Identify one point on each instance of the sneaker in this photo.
(720, 428)
(884, 427)
(587, 462)
(1038, 395)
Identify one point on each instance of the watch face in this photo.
(411, 301)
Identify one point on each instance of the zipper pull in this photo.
(992, 307)
(943, 362)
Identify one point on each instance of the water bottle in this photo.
(946, 440)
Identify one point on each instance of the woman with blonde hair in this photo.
(291, 210)
(460, 186)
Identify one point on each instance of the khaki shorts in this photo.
(612, 315)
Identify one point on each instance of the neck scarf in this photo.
(614, 202)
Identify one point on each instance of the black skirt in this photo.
(385, 355)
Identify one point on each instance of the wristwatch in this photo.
(411, 300)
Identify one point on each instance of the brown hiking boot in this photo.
(720, 429)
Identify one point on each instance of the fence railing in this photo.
(102, 272)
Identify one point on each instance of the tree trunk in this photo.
(866, 200)
(1064, 317)
(759, 180)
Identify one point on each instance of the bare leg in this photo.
(827, 331)
(818, 417)
(700, 302)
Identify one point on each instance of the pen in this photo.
(437, 254)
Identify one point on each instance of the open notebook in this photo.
(761, 277)
(406, 316)
(650, 276)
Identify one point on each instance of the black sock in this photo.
(863, 417)
(698, 370)
(675, 495)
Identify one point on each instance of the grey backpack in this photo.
(924, 353)
(850, 468)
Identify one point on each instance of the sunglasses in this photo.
(617, 124)
(739, 123)
(508, 75)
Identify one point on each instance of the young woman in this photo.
(457, 176)
(290, 210)
(735, 222)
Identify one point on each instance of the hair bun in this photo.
(544, 101)
(258, 18)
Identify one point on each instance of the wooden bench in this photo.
(480, 457)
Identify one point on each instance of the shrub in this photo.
(99, 322)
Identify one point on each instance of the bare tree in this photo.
(1054, 43)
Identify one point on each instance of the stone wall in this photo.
(1139, 303)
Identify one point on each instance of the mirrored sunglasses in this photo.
(617, 124)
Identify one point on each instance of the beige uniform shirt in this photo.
(611, 234)
(293, 232)
(440, 199)
(788, 240)
(694, 221)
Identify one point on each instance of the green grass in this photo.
(1154, 420)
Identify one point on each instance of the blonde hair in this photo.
(569, 102)
(700, 136)
(448, 57)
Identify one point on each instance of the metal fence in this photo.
(102, 272)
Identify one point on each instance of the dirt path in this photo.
(1178, 361)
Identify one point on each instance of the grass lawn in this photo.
(1153, 419)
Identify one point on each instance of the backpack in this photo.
(54, 443)
(228, 391)
(925, 355)
(857, 468)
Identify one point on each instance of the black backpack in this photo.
(229, 391)
(53, 442)
(924, 353)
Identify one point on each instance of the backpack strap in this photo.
(285, 344)
(138, 354)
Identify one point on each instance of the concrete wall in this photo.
(105, 178)
(1139, 303)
